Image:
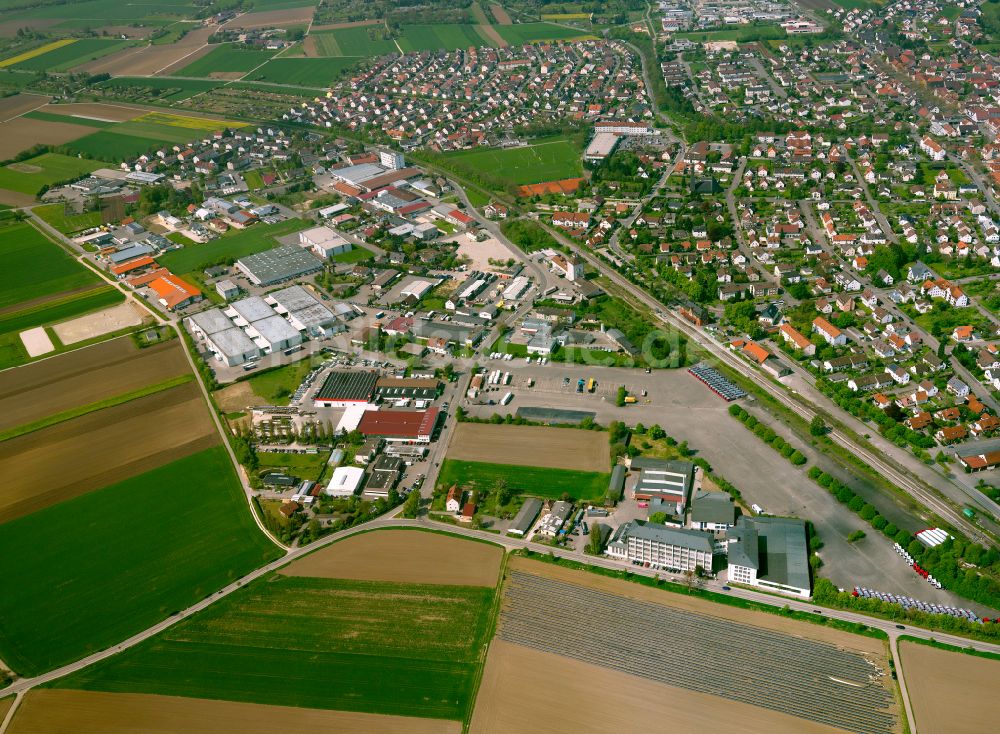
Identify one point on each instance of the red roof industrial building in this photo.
(400, 425)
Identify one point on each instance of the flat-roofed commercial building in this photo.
(601, 146)
(228, 343)
(263, 325)
(279, 264)
(345, 482)
(407, 388)
(324, 242)
(669, 481)
(673, 549)
(771, 553)
(304, 312)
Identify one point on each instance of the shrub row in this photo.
(768, 436)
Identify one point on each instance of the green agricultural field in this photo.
(28, 176)
(66, 222)
(113, 145)
(384, 648)
(521, 33)
(226, 58)
(441, 37)
(160, 131)
(115, 561)
(531, 480)
(550, 160)
(254, 180)
(95, 13)
(317, 73)
(79, 52)
(231, 247)
(740, 34)
(352, 42)
(163, 89)
(68, 119)
(34, 266)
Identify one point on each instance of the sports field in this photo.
(113, 562)
(520, 33)
(47, 312)
(377, 647)
(225, 57)
(33, 266)
(441, 37)
(318, 73)
(545, 161)
(47, 711)
(532, 480)
(355, 41)
(230, 247)
(557, 448)
(28, 176)
(404, 556)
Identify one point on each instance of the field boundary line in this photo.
(27, 111)
(67, 415)
(894, 655)
(491, 630)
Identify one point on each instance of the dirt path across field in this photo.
(490, 33)
(555, 448)
(950, 691)
(404, 556)
(528, 691)
(153, 59)
(93, 712)
(18, 104)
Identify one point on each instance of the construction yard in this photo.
(404, 556)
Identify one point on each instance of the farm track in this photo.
(790, 674)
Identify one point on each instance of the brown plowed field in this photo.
(237, 397)
(101, 448)
(950, 691)
(21, 133)
(271, 18)
(83, 377)
(556, 448)
(18, 104)
(630, 590)
(501, 15)
(525, 690)
(97, 110)
(15, 198)
(148, 60)
(404, 556)
(93, 712)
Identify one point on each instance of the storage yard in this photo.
(409, 556)
(557, 448)
(950, 691)
(95, 712)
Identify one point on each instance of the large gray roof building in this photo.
(228, 343)
(278, 264)
(525, 517)
(673, 549)
(770, 552)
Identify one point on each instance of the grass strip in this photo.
(83, 410)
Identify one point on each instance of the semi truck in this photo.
(507, 398)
